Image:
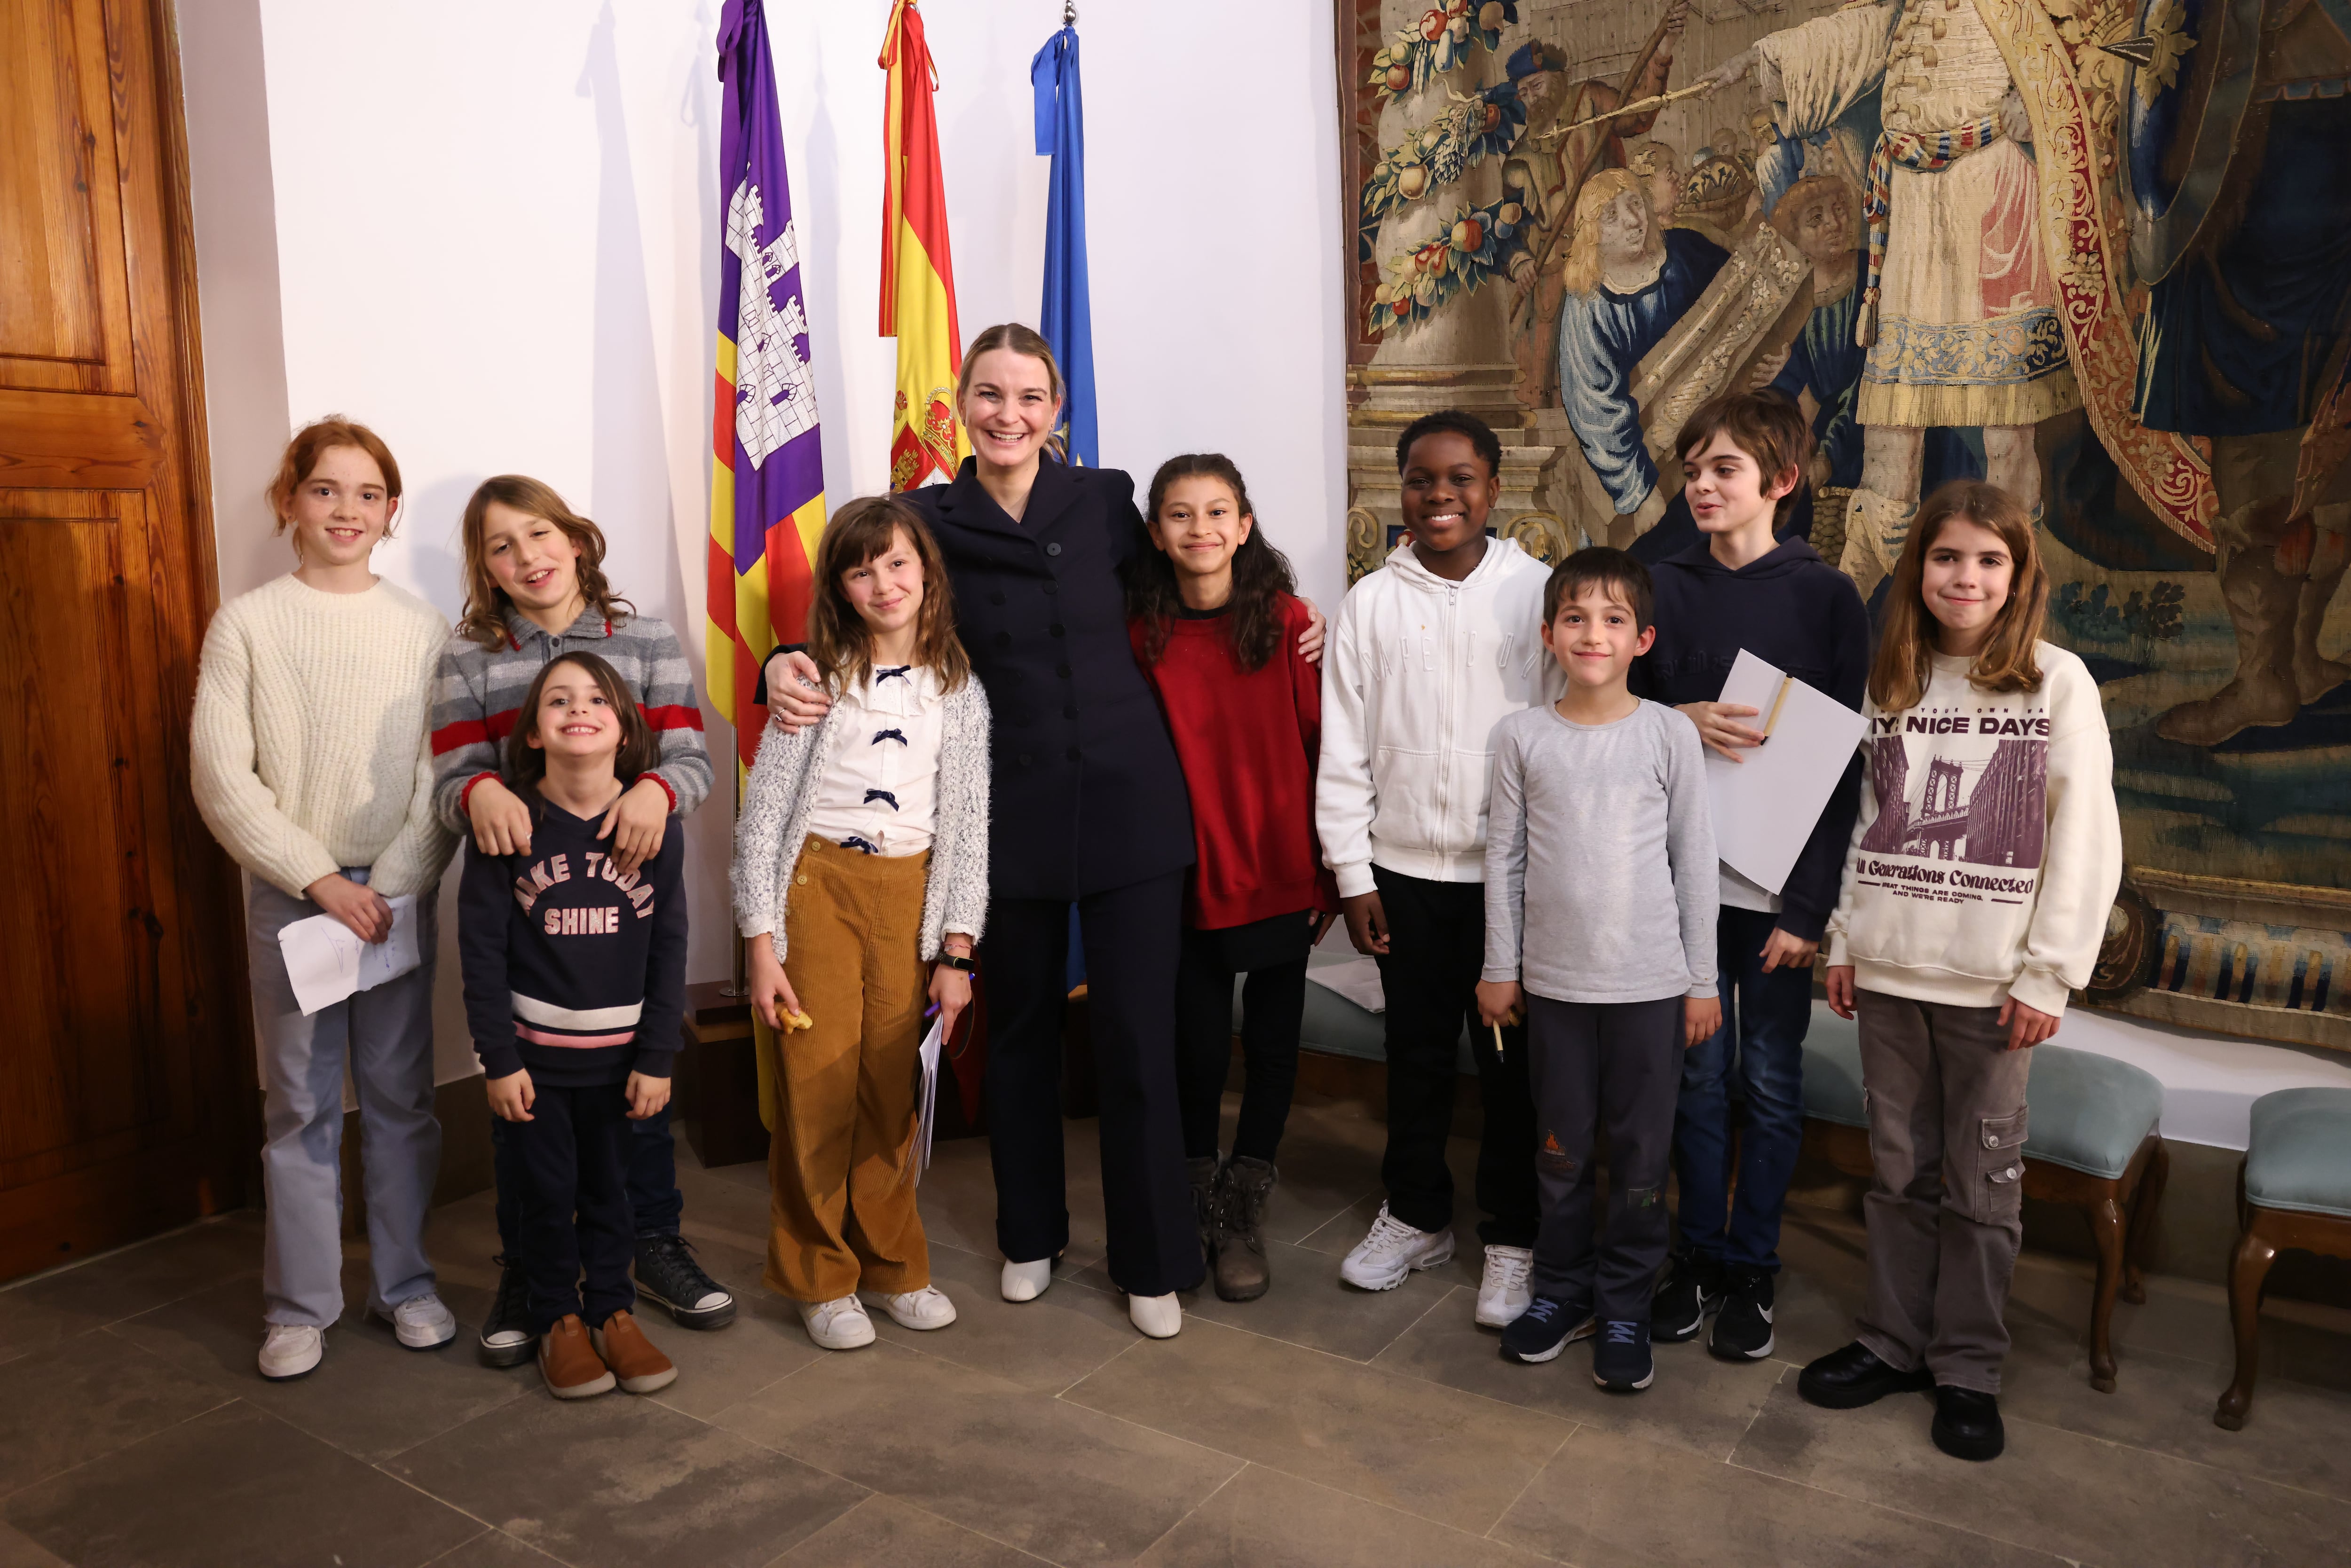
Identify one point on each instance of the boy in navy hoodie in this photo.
(1743, 456)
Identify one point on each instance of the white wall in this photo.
(490, 231)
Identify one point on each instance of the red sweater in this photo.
(1247, 741)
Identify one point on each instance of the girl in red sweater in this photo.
(1214, 624)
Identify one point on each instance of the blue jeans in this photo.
(648, 1159)
(1762, 1036)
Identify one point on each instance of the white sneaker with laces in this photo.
(422, 1322)
(927, 1307)
(1026, 1281)
(291, 1350)
(1503, 1294)
(1159, 1317)
(1391, 1250)
(837, 1325)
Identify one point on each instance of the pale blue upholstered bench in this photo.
(2293, 1190)
(2093, 1143)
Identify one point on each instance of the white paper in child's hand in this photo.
(326, 963)
(1764, 805)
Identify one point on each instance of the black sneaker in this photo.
(1544, 1329)
(1742, 1330)
(507, 1339)
(668, 1277)
(1620, 1357)
(1692, 1288)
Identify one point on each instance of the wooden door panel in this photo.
(65, 316)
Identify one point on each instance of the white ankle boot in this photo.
(1026, 1281)
(1160, 1317)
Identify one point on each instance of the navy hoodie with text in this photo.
(1794, 611)
(573, 969)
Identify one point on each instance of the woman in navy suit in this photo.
(1088, 807)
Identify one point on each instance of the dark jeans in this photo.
(1436, 948)
(1762, 1039)
(574, 1215)
(648, 1157)
(1596, 1063)
(1132, 936)
(1273, 1003)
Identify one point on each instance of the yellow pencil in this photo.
(1497, 1037)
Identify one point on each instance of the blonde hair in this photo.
(2005, 662)
(1028, 344)
(1789, 211)
(1581, 273)
(485, 616)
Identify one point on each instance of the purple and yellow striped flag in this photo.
(767, 472)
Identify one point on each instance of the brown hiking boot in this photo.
(642, 1369)
(570, 1363)
(1202, 1172)
(1242, 1192)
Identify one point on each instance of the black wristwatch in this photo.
(957, 961)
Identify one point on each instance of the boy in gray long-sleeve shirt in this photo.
(1600, 916)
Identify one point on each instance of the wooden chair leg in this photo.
(2144, 1204)
(2247, 1270)
(2106, 1228)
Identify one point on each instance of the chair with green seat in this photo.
(2094, 1143)
(2294, 1190)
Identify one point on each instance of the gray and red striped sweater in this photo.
(480, 692)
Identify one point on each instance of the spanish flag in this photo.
(918, 308)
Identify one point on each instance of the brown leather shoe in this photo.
(642, 1369)
(570, 1363)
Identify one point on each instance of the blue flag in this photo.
(1067, 317)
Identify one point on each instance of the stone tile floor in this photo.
(1317, 1426)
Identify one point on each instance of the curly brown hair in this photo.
(839, 639)
(485, 617)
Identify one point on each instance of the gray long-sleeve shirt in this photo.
(1600, 863)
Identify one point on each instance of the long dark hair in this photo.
(2006, 663)
(1262, 573)
(640, 753)
(840, 641)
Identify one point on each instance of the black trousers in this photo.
(1131, 937)
(1272, 953)
(1436, 948)
(574, 1218)
(648, 1151)
(1621, 1063)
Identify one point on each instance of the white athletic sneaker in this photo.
(1026, 1281)
(1503, 1295)
(421, 1322)
(927, 1307)
(1393, 1249)
(1159, 1317)
(837, 1325)
(291, 1350)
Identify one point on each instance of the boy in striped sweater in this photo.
(535, 589)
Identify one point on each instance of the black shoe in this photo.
(1967, 1424)
(1742, 1330)
(1849, 1378)
(1544, 1329)
(1620, 1357)
(1692, 1288)
(507, 1339)
(668, 1277)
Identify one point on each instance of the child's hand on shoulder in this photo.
(511, 1096)
(647, 1095)
(635, 824)
(1499, 1002)
(1701, 1016)
(501, 821)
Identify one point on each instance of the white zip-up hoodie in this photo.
(1417, 672)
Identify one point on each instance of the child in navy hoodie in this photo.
(575, 988)
(1742, 458)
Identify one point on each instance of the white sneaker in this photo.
(1393, 1249)
(927, 1307)
(837, 1325)
(1159, 1317)
(421, 1322)
(1026, 1281)
(1502, 1294)
(291, 1350)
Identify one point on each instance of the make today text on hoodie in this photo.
(1417, 672)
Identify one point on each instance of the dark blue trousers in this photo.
(573, 1219)
(648, 1159)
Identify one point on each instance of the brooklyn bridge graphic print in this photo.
(1959, 790)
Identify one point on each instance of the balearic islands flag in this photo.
(918, 306)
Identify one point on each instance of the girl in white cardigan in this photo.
(1975, 897)
(311, 769)
(860, 857)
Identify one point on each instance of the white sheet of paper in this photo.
(1765, 804)
(1358, 980)
(326, 963)
(926, 1118)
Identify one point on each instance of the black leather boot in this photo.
(1849, 1378)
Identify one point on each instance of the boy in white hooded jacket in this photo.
(1428, 654)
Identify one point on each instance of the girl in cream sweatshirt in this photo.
(311, 769)
(1975, 895)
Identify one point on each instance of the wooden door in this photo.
(126, 1101)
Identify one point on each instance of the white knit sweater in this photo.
(309, 735)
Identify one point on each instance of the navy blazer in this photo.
(1087, 794)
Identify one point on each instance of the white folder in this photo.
(1766, 803)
